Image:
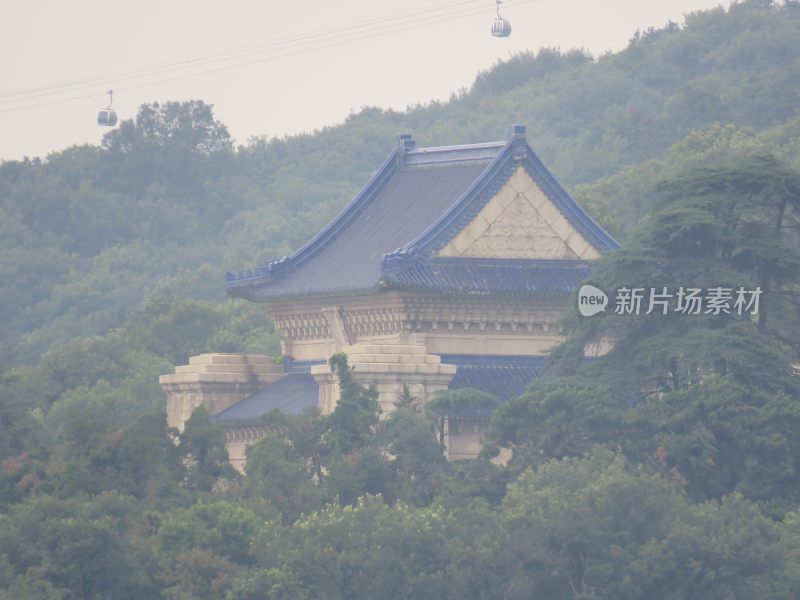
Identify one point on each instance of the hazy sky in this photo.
(386, 54)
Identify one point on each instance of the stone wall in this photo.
(387, 367)
(444, 324)
(216, 382)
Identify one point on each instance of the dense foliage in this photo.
(667, 468)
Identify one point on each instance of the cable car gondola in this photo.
(501, 27)
(107, 117)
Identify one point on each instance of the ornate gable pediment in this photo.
(519, 222)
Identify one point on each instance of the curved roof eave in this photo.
(504, 158)
(281, 266)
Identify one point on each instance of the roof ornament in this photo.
(405, 142)
(501, 27)
(517, 132)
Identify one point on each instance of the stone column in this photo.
(215, 381)
(388, 368)
(463, 437)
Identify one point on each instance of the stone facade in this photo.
(463, 437)
(388, 368)
(215, 382)
(457, 251)
(218, 381)
(237, 439)
(442, 324)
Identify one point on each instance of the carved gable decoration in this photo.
(520, 222)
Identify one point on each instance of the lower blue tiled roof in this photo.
(481, 276)
(291, 394)
(504, 377)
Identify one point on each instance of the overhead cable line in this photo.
(232, 54)
(345, 35)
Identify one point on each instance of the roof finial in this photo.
(517, 132)
(405, 142)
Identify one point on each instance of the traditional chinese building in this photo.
(451, 268)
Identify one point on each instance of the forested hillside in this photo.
(112, 263)
(168, 203)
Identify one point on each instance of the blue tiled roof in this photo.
(481, 276)
(504, 377)
(412, 207)
(396, 206)
(290, 394)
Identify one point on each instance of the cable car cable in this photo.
(231, 53)
(377, 32)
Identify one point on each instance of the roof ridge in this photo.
(426, 149)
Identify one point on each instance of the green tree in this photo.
(599, 528)
(418, 463)
(81, 549)
(710, 399)
(199, 575)
(203, 449)
(371, 550)
(178, 144)
(142, 459)
(353, 421)
(280, 472)
(222, 527)
(561, 416)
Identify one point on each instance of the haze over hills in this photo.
(678, 451)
